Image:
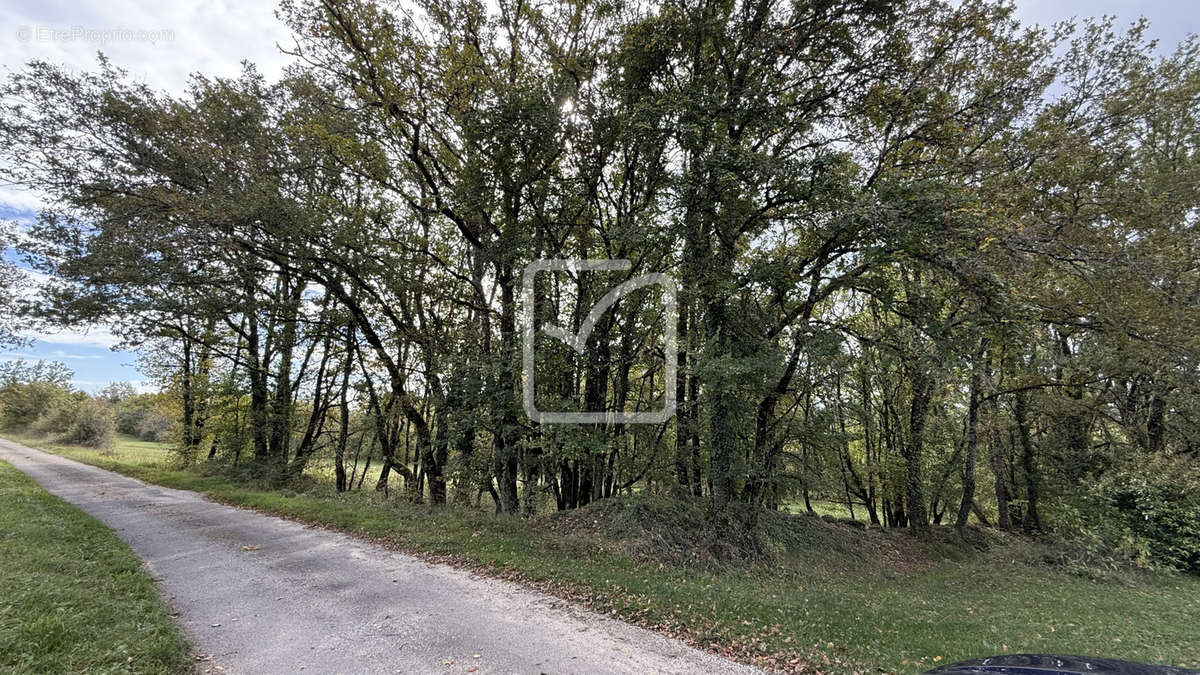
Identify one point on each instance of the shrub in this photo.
(38, 398)
(78, 420)
(23, 403)
(146, 416)
(155, 426)
(94, 425)
(59, 416)
(1150, 510)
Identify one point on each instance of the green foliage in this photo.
(78, 419)
(149, 417)
(38, 398)
(93, 425)
(12, 282)
(21, 405)
(60, 414)
(116, 392)
(29, 390)
(52, 372)
(73, 597)
(1150, 509)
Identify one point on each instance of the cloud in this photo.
(1170, 20)
(60, 354)
(95, 336)
(159, 43)
(57, 355)
(19, 203)
(94, 386)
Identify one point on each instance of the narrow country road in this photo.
(324, 602)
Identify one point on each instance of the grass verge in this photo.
(73, 597)
(831, 599)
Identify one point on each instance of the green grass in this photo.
(860, 600)
(73, 597)
(135, 451)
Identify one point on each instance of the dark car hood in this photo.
(1045, 664)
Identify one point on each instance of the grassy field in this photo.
(829, 598)
(73, 597)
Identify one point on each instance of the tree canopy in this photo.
(917, 244)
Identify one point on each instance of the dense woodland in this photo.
(934, 266)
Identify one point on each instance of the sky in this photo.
(161, 42)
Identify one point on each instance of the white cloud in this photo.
(95, 336)
(1170, 20)
(56, 355)
(94, 386)
(34, 281)
(160, 43)
(21, 199)
(60, 354)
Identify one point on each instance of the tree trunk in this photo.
(922, 385)
(504, 397)
(279, 442)
(339, 456)
(968, 495)
(1001, 487)
(189, 405)
(1155, 428)
(682, 450)
(258, 388)
(1033, 521)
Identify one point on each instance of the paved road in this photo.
(328, 603)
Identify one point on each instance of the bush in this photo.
(37, 397)
(76, 419)
(94, 425)
(146, 416)
(22, 404)
(59, 416)
(155, 426)
(1150, 510)
(28, 390)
